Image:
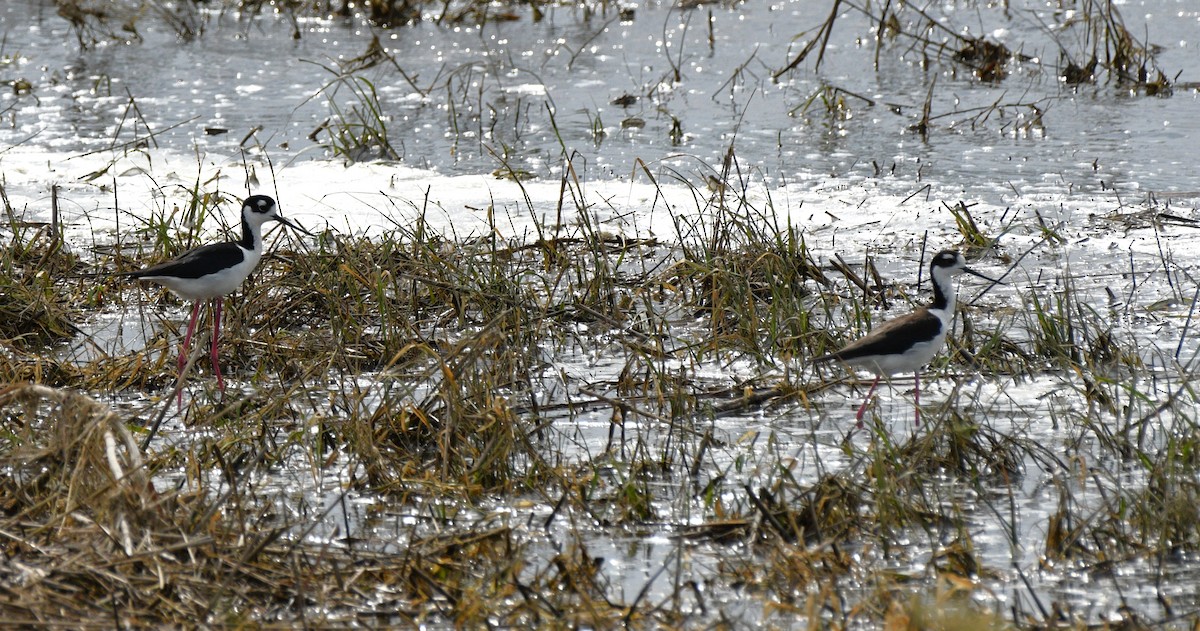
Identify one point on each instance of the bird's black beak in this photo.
(293, 226)
(988, 278)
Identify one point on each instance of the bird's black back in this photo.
(918, 326)
(196, 263)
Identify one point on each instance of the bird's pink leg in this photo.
(917, 397)
(187, 340)
(863, 408)
(216, 365)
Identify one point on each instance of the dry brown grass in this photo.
(414, 371)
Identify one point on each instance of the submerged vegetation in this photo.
(580, 427)
(1083, 44)
(426, 376)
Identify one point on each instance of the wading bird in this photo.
(910, 341)
(211, 271)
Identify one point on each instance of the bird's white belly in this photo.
(910, 360)
(210, 286)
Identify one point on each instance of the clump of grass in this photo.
(974, 239)
(63, 452)
(1113, 47)
(1117, 522)
(465, 431)
(94, 23)
(986, 58)
(1166, 512)
(226, 556)
(35, 366)
(746, 274)
(357, 132)
(77, 487)
(1106, 44)
(33, 313)
(801, 581)
(955, 444)
(828, 510)
(423, 371)
(392, 13)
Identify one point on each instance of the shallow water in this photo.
(497, 84)
(246, 95)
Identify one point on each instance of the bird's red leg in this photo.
(216, 365)
(187, 340)
(863, 408)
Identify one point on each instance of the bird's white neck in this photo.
(251, 236)
(944, 298)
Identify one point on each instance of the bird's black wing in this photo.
(196, 263)
(890, 338)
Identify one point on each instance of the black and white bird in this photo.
(908, 342)
(211, 271)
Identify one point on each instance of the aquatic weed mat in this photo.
(589, 429)
(91, 541)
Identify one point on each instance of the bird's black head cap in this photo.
(259, 204)
(947, 258)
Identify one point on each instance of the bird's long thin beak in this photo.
(293, 226)
(974, 273)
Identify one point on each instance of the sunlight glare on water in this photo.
(1078, 176)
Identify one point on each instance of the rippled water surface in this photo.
(670, 93)
(479, 90)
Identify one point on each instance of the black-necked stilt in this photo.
(210, 272)
(908, 342)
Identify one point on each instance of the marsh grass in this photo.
(33, 314)
(360, 132)
(431, 378)
(1092, 42)
(419, 369)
